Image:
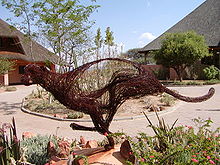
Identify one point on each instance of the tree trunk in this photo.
(179, 73)
(180, 77)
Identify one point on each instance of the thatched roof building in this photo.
(15, 45)
(204, 20)
(18, 48)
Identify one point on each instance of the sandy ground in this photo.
(10, 103)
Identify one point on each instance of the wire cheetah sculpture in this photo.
(122, 85)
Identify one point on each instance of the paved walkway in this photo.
(10, 103)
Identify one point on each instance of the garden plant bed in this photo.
(176, 145)
(7, 89)
(38, 101)
(190, 82)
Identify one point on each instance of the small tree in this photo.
(179, 50)
(5, 65)
(65, 25)
(109, 40)
(98, 43)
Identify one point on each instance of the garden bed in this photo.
(190, 82)
(172, 145)
(7, 89)
(38, 101)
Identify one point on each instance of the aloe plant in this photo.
(9, 144)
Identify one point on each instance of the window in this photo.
(1, 42)
(11, 41)
(21, 69)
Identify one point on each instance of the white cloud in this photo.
(147, 35)
(145, 38)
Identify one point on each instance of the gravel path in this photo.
(10, 103)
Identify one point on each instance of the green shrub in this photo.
(211, 72)
(10, 89)
(161, 74)
(75, 115)
(167, 99)
(39, 102)
(211, 82)
(187, 83)
(179, 83)
(118, 139)
(182, 145)
(193, 83)
(36, 148)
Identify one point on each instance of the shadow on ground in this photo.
(9, 108)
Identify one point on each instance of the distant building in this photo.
(16, 47)
(204, 20)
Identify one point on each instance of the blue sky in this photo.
(137, 22)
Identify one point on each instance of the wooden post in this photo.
(5, 79)
(145, 58)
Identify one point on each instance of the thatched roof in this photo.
(40, 54)
(204, 20)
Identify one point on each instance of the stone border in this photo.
(89, 120)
